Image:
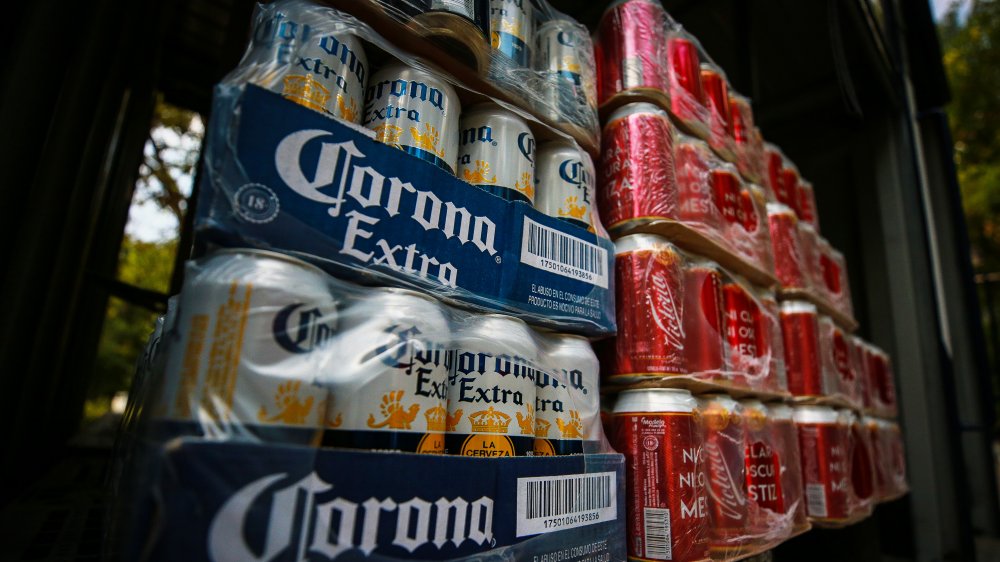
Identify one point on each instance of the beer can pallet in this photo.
(562, 98)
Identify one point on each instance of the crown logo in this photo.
(525, 185)
(480, 175)
(427, 140)
(575, 211)
(542, 428)
(305, 90)
(348, 112)
(527, 423)
(573, 429)
(436, 419)
(489, 421)
(453, 419)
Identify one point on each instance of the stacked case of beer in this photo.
(391, 280)
(742, 394)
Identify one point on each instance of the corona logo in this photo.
(306, 91)
(291, 409)
(403, 88)
(395, 415)
(300, 521)
(527, 422)
(477, 134)
(301, 330)
(340, 50)
(437, 419)
(489, 421)
(526, 145)
(575, 173)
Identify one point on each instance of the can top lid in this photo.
(397, 67)
(560, 22)
(798, 307)
(779, 411)
(559, 144)
(267, 254)
(815, 414)
(655, 400)
(617, 3)
(753, 403)
(404, 292)
(775, 208)
(495, 109)
(721, 398)
(635, 108)
(634, 242)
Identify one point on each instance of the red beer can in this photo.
(879, 457)
(763, 468)
(825, 469)
(751, 237)
(855, 357)
(884, 395)
(687, 97)
(807, 204)
(727, 481)
(809, 244)
(774, 162)
(661, 436)
(726, 188)
(799, 328)
(631, 48)
(693, 163)
(786, 440)
(720, 125)
(786, 246)
(835, 358)
(788, 193)
(637, 172)
(745, 136)
(892, 442)
(649, 292)
(704, 348)
(861, 500)
(776, 379)
(744, 332)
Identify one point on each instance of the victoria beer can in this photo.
(704, 339)
(389, 375)
(788, 192)
(631, 47)
(774, 162)
(254, 330)
(565, 178)
(786, 440)
(697, 186)
(862, 467)
(571, 93)
(687, 96)
(825, 470)
(649, 290)
(512, 25)
(414, 111)
(637, 165)
(719, 122)
(800, 330)
(497, 153)
(786, 246)
(807, 204)
(745, 330)
(727, 479)
(763, 469)
(567, 405)
(660, 434)
(297, 54)
(491, 388)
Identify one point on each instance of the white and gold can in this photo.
(491, 388)
(564, 175)
(497, 152)
(414, 111)
(567, 405)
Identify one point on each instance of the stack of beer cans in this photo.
(293, 390)
(746, 408)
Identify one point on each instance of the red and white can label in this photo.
(665, 485)
(825, 470)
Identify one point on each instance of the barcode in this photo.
(548, 249)
(816, 500)
(553, 503)
(657, 533)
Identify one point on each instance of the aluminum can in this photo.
(687, 96)
(717, 98)
(776, 379)
(763, 470)
(649, 285)
(475, 12)
(891, 439)
(786, 246)
(512, 25)
(825, 467)
(563, 52)
(297, 54)
(883, 388)
(388, 378)
(809, 243)
(661, 436)
(744, 335)
(788, 190)
(862, 488)
(807, 204)
(704, 348)
(637, 165)
(774, 162)
(631, 47)
(567, 406)
(726, 188)
(749, 236)
(855, 356)
(565, 179)
(253, 335)
(741, 115)
(800, 330)
(414, 111)
(491, 388)
(836, 358)
(727, 478)
(497, 152)
(693, 164)
(786, 442)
